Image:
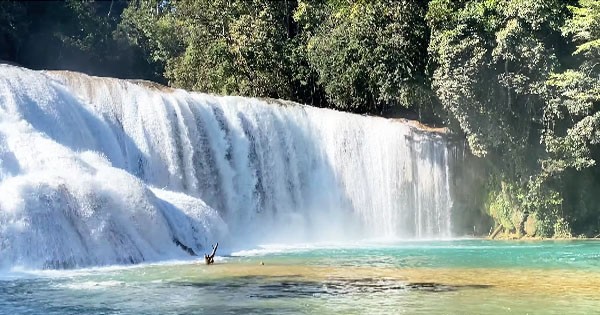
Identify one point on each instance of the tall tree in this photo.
(371, 54)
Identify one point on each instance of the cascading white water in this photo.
(97, 171)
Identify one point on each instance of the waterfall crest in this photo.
(97, 171)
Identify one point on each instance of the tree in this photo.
(13, 26)
(572, 121)
(369, 55)
(572, 118)
(74, 35)
(491, 59)
(227, 47)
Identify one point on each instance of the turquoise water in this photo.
(433, 277)
(563, 254)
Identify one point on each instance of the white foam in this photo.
(90, 285)
(99, 171)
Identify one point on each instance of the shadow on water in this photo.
(268, 287)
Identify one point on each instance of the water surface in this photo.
(425, 277)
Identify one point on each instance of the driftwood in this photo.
(210, 259)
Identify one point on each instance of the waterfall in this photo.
(97, 171)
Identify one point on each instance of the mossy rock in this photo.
(531, 225)
(515, 219)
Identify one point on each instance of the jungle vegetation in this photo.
(518, 80)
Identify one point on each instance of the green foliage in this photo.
(571, 133)
(584, 27)
(365, 56)
(545, 203)
(227, 47)
(13, 25)
(490, 60)
(494, 64)
(371, 54)
(572, 116)
(511, 203)
(501, 206)
(75, 35)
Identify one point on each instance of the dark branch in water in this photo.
(210, 259)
